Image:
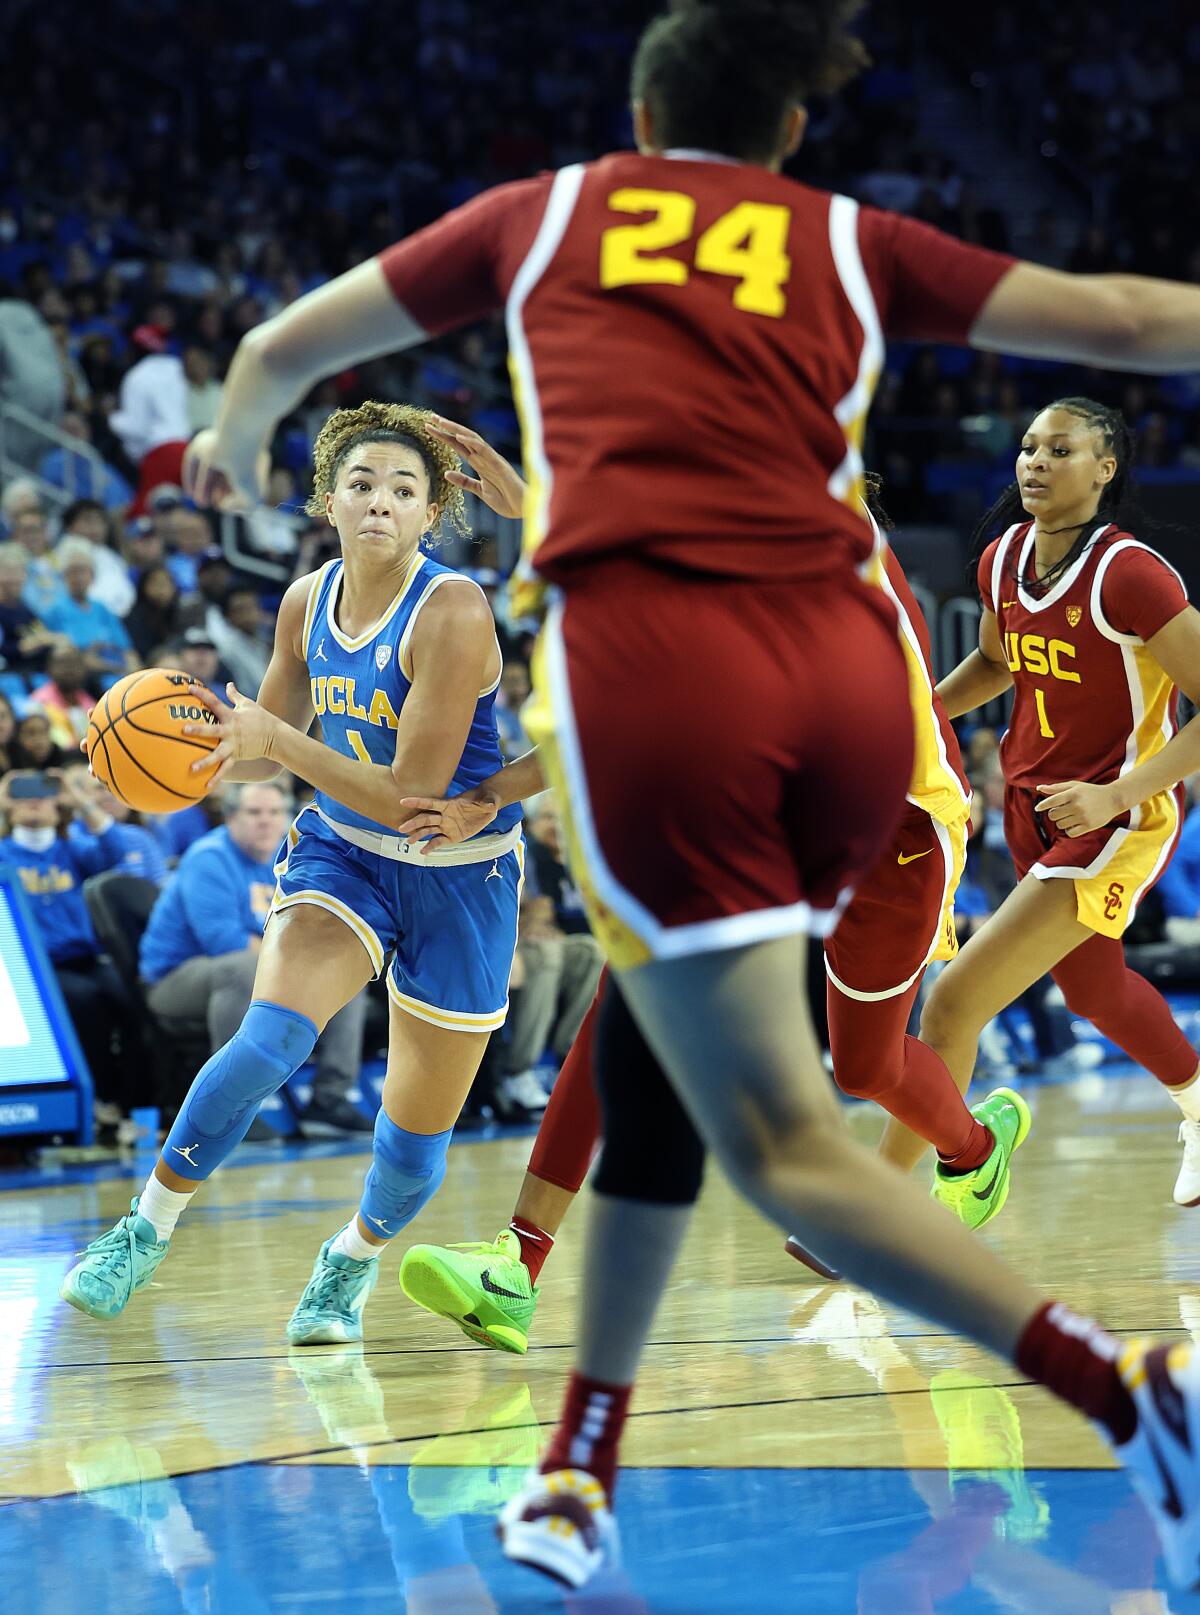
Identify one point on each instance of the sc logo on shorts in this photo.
(1112, 900)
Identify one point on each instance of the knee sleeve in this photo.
(651, 1149)
(267, 1048)
(406, 1173)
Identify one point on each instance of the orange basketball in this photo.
(136, 743)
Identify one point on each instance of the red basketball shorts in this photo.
(730, 756)
(902, 914)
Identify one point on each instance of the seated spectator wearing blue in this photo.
(52, 867)
(43, 586)
(512, 696)
(81, 473)
(89, 520)
(141, 851)
(24, 640)
(187, 533)
(98, 632)
(200, 950)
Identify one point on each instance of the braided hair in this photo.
(722, 75)
(1115, 503)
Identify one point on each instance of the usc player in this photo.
(1093, 631)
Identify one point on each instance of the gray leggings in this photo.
(218, 991)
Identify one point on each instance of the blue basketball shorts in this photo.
(451, 928)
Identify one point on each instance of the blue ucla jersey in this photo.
(359, 685)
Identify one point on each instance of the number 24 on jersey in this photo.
(748, 243)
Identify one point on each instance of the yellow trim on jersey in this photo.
(622, 945)
(526, 591)
(934, 786)
(369, 634)
(310, 605)
(332, 905)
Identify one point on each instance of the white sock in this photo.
(161, 1206)
(1187, 1097)
(351, 1243)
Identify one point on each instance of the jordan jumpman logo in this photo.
(186, 1153)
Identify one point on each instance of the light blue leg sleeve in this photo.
(262, 1054)
(406, 1173)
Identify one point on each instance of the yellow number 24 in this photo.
(748, 243)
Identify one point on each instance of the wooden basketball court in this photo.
(792, 1447)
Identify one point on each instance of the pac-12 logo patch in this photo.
(1073, 615)
(383, 655)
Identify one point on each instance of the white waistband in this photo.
(481, 849)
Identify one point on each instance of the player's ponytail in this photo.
(721, 75)
(1116, 502)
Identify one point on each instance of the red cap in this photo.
(150, 337)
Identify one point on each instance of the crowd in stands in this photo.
(236, 161)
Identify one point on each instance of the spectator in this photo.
(188, 537)
(8, 733)
(195, 654)
(151, 419)
(44, 587)
(554, 981)
(203, 388)
(65, 699)
(52, 868)
(512, 696)
(87, 519)
(141, 851)
(144, 546)
(237, 629)
(155, 616)
(24, 641)
(200, 949)
(84, 621)
(34, 746)
(550, 875)
(83, 474)
(19, 495)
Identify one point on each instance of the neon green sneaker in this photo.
(114, 1266)
(975, 1197)
(484, 1289)
(982, 1430)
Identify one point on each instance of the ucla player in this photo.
(398, 657)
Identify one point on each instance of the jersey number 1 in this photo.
(748, 243)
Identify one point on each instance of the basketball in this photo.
(136, 744)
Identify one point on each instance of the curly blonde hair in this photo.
(375, 422)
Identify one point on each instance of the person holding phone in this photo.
(38, 807)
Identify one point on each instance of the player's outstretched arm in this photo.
(354, 318)
(1077, 806)
(979, 677)
(456, 818)
(1124, 322)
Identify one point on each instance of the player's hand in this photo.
(446, 819)
(244, 730)
(218, 476)
(498, 484)
(1077, 807)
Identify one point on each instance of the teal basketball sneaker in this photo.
(331, 1308)
(114, 1266)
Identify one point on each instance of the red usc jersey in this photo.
(1090, 702)
(694, 344)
